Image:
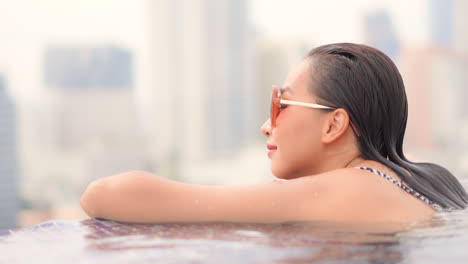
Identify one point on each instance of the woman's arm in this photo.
(144, 197)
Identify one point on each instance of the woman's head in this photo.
(307, 141)
(360, 82)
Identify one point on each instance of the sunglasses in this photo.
(277, 104)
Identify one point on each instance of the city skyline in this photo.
(197, 82)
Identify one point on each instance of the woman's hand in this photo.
(121, 197)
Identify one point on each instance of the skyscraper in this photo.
(202, 74)
(88, 68)
(435, 77)
(441, 22)
(461, 26)
(9, 205)
(379, 32)
(85, 125)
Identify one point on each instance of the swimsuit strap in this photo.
(404, 187)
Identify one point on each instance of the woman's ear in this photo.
(335, 125)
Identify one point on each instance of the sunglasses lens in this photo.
(274, 107)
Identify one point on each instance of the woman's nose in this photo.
(266, 128)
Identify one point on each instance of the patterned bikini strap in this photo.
(404, 187)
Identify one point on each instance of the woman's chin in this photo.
(280, 174)
(287, 173)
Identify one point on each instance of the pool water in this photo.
(442, 239)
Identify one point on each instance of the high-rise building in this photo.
(9, 205)
(461, 39)
(85, 125)
(88, 68)
(89, 90)
(204, 99)
(435, 78)
(461, 26)
(441, 22)
(379, 32)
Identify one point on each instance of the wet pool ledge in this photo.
(442, 240)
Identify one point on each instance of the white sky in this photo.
(124, 21)
(27, 26)
(337, 20)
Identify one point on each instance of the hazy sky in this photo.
(27, 26)
(336, 20)
(125, 21)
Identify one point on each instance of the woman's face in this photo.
(294, 144)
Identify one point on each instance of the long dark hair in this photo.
(367, 84)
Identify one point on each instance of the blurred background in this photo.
(180, 87)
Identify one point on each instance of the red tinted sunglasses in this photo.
(277, 104)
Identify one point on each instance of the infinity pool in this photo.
(442, 239)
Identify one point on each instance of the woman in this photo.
(335, 134)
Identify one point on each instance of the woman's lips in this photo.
(271, 149)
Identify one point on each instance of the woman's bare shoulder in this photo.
(365, 196)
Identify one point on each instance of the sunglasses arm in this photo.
(310, 105)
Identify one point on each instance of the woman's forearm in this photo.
(143, 197)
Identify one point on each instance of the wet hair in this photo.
(367, 84)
